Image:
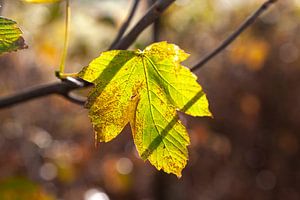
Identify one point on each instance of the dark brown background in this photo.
(249, 150)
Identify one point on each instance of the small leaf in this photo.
(41, 1)
(10, 36)
(145, 89)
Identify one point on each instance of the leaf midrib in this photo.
(150, 104)
(163, 78)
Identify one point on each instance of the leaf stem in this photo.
(66, 39)
(63, 88)
(65, 75)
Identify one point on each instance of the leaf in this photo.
(10, 36)
(41, 1)
(145, 89)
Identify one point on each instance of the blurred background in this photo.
(249, 150)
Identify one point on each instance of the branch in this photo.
(156, 24)
(125, 24)
(153, 13)
(61, 88)
(66, 86)
(251, 19)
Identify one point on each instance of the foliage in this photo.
(251, 145)
(10, 36)
(145, 89)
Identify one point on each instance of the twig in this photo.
(251, 19)
(125, 24)
(65, 87)
(61, 88)
(156, 24)
(153, 13)
(156, 30)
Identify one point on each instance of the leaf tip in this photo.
(10, 36)
(20, 42)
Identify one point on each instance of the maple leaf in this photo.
(10, 36)
(145, 89)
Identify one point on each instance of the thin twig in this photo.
(156, 24)
(153, 13)
(65, 87)
(249, 21)
(61, 88)
(77, 99)
(125, 24)
(156, 30)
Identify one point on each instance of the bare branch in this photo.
(156, 30)
(62, 88)
(66, 86)
(251, 19)
(156, 24)
(125, 24)
(153, 13)
(77, 99)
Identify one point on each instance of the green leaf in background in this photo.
(10, 36)
(145, 89)
(41, 1)
(21, 189)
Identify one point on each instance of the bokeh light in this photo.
(95, 194)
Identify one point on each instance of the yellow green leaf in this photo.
(10, 36)
(145, 89)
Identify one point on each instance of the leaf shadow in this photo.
(114, 66)
(159, 139)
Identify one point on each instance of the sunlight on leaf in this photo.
(145, 89)
(10, 36)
